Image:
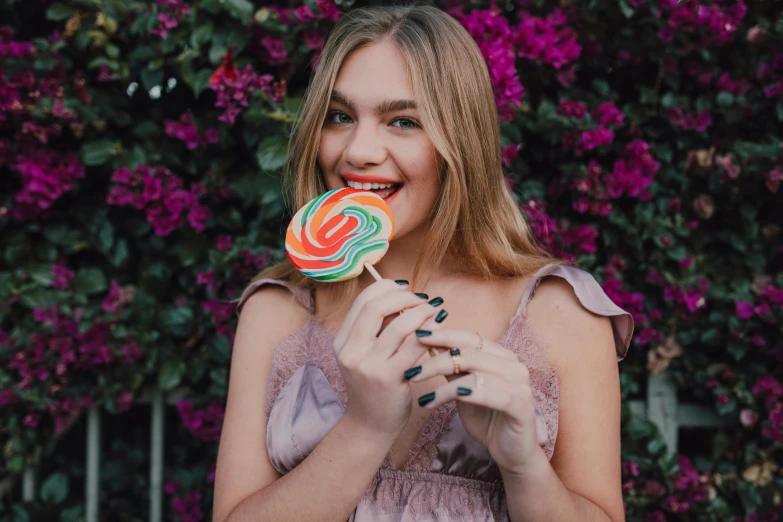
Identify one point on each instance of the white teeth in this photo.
(368, 186)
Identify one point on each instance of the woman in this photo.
(517, 415)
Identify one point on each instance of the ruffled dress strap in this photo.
(591, 296)
(305, 297)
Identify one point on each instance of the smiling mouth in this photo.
(384, 190)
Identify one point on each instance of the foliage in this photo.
(141, 144)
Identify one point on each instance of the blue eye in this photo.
(330, 120)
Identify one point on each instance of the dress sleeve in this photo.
(593, 297)
(300, 294)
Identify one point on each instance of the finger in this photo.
(466, 340)
(370, 319)
(494, 394)
(402, 326)
(435, 323)
(375, 290)
(472, 360)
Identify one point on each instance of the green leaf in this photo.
(648, 95)
(201, 35)
(150, 79)
(627, 10)
(170, 375)
(177, 321)
(89, 281)
(242, 9)
(748, 149)
(57, 12)
(669, 100)
(601, 87)
(105, 237)
(271, 153)
(725, 99)
(38, 298)
(98, 152)
(55, 488)
(201, 81)
(72, 514)
(120, 254)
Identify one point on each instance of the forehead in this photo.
(374, 77)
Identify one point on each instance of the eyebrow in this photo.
(382, 108)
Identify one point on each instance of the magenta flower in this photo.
(61, 276)
(597, 137)
(572, 109)
(743, 310)
(608, 114)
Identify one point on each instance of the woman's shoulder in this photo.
(275, 307)
(272, 292)
(569, 303)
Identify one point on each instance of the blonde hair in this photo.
(475, 219)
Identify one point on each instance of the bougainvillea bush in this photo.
(141, 145)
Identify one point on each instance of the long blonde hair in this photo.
(475, 218)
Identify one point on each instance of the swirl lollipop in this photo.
(339, 233)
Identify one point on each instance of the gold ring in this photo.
(481, 342)
(479, 380)
(456, 359)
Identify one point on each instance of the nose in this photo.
(365, 146)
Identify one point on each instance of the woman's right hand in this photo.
(373, 365)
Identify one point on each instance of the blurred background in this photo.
(141, 146)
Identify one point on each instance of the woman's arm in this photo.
(326, 486)
(329, 483)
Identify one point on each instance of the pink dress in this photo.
(448, 476)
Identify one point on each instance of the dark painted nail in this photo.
(423, 333)
(401, 282)
(437, 301)
(441, 316)
(423, 296)
(464, 391)
(426, 399)
(412, 372)
(454, 352)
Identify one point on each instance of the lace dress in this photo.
(448, 476)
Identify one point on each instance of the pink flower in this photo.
(597, 137)
(572, 109)
(113, 299)
(224, 242)
(61, 276)
(743, 310)
(608, 114)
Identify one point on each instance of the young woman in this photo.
(516, 413)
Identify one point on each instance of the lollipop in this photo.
(339, 233)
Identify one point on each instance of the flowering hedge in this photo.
(141, 144)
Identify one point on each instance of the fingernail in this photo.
(401, 282)
(437, 301)
(454, 351)
(423, 296)
(426, 399)
(423, 333)
(412, 372)
(464, 391)
(441, 316)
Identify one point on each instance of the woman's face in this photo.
(366, 143)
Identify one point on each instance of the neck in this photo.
(400, 259)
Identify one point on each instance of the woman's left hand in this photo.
(500, 414)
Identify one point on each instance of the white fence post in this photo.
(157, 434)
(92, 480)
(662, 408)
(28, 484)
